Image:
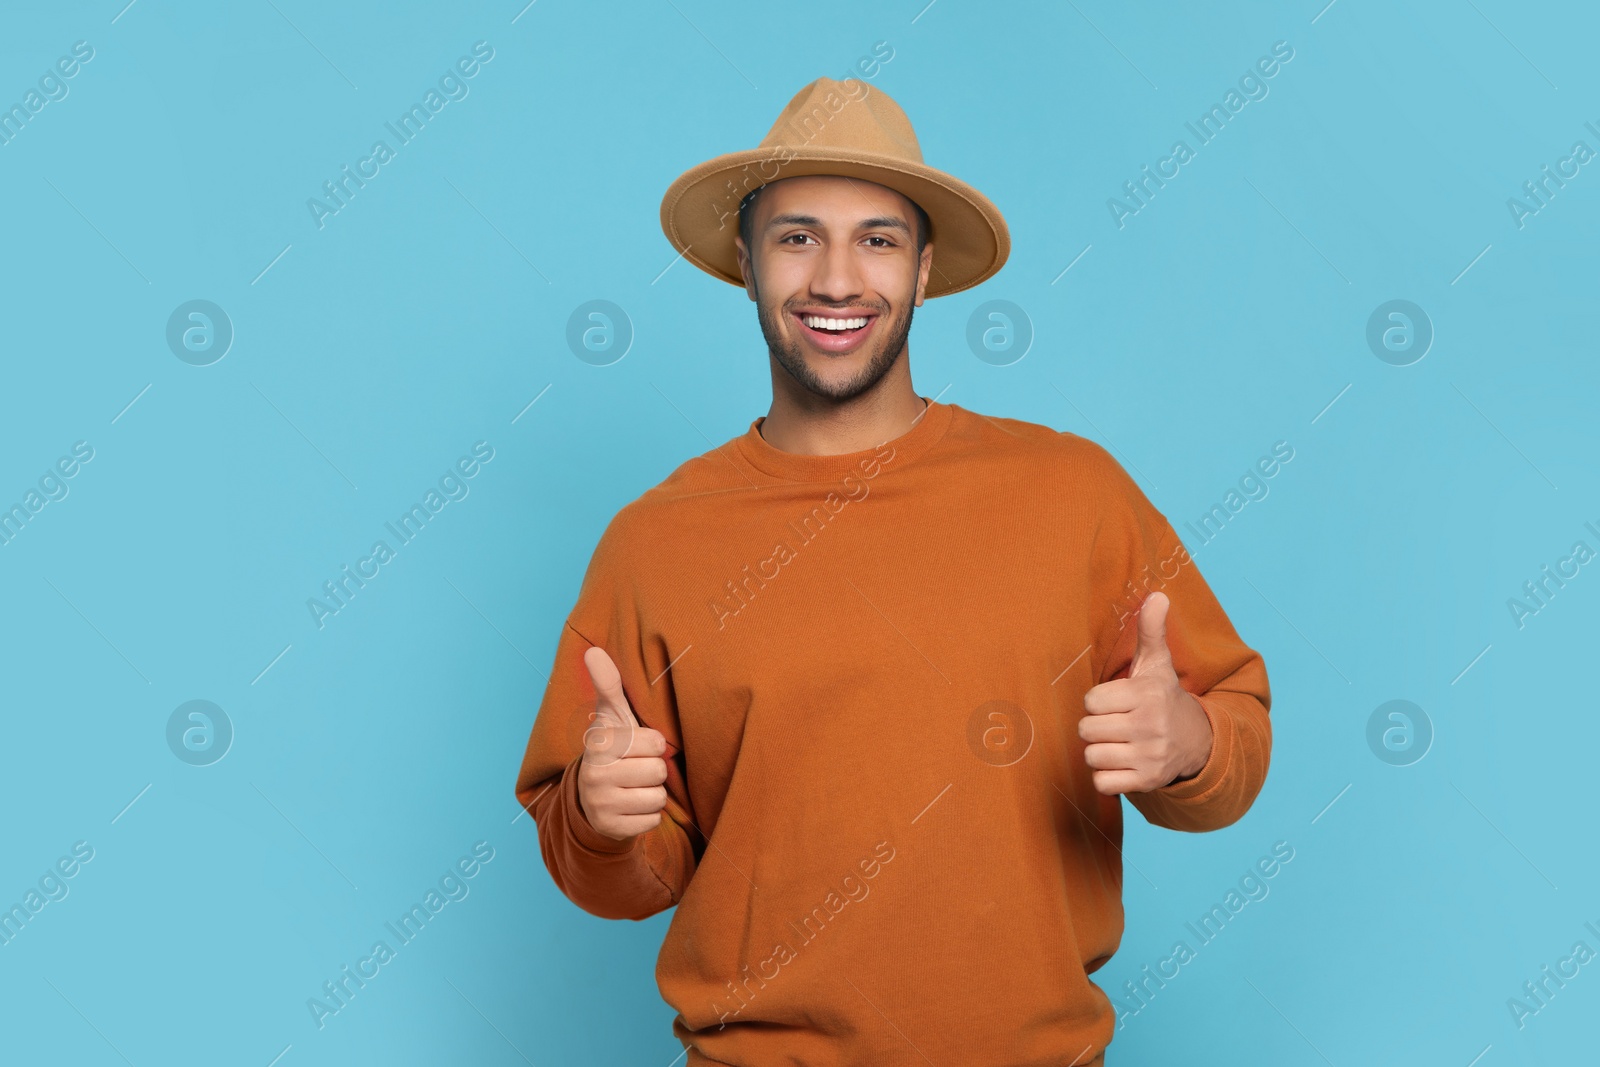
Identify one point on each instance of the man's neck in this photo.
(825, 428)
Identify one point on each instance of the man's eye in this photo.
(886, 242)
(792, 236)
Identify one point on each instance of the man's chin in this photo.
(839, 377)
(840, 367)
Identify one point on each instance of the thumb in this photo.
(612, 708)
(609, 735)
(1151, 652)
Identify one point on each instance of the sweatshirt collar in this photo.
(797, 467)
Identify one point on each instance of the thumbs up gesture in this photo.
(1144, 731)
(620, 777)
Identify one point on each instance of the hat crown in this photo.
(829, 114)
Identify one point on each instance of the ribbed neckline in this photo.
(797, 467)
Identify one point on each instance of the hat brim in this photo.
(700, 211)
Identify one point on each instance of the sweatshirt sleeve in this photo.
(1140, 553)
(645, 874)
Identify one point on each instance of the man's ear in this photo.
(923, 270)
(745, 267)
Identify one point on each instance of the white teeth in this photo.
(818, 322)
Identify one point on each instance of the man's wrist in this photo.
(1203, 753)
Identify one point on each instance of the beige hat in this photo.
(839, 128)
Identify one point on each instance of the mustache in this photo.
(796, 305)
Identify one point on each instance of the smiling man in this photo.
(860, 691)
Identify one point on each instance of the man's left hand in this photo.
(1145, 731)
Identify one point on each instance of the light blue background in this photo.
(426, 315)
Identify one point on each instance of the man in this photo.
(860, 691)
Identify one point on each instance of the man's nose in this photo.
(838, 276)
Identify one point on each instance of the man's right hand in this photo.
(620, 777)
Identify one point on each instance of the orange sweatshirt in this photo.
(881, 836)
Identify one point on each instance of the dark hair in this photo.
(747, 214)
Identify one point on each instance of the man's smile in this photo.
(835, 332)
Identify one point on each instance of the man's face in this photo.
(830, 252)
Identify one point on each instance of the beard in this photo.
(789, 351)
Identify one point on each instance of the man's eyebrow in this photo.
(793, 220)
(885, 222)
(881, 222)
